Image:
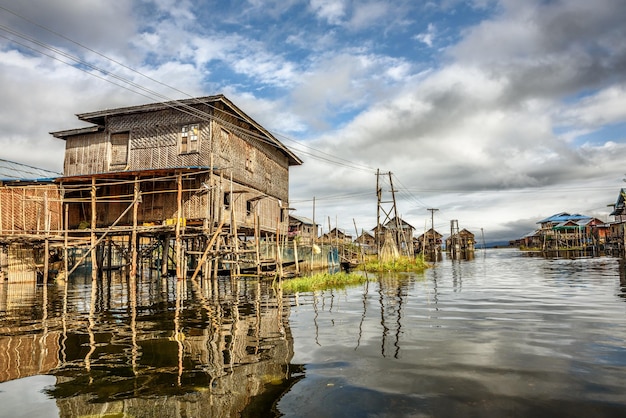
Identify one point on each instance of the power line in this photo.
(151, 94)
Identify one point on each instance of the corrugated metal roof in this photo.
(12, 171)
(302, 219)
(563, 217)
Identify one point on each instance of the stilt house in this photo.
(194, 162)
(462, 242)
(182, 170)
(303, 229)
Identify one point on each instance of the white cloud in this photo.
(427, 37)
(332, 11)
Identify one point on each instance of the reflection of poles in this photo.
(177, 333)
(398, 323)
(317, 330)
(382, 318)
(358, 342)
(64, 316)
(44, 321)
(132, 284)
(92, 323)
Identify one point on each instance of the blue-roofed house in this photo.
(565, 230)
(29, 199)
(12, 172)
(30, 211)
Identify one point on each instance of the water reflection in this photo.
(215, 348)
(500, 335)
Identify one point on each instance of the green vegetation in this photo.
(401, 264)
(321, 281)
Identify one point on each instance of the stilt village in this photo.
(196, 187)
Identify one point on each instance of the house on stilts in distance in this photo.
(171, 178)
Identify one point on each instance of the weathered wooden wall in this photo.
(86, 154)
(154, 143)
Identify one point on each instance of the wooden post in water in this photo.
(257, 244)
(94, 262)
(65, 237)
(46, 256)
(178, 247)
(295, 256)
(133, 239)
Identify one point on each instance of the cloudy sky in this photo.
(498, 113)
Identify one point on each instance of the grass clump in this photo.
(401, 264)
(321, 281)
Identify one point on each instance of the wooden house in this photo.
(337, 235)
(367, 242)
(619, 208)
(302, 229)
(198, 161)
(462, 242)
(430, 240)
(183, 170)
(399, 231)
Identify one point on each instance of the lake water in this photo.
(505, 334)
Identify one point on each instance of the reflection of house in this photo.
(25, 348)
(302, 228)
(215, 367)
(28, 355)
(29, 207)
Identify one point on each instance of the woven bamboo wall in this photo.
(22, 209)
(159, 203)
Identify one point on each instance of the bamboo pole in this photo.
(46, 257)
(178, 248)
(23, 206)
(133, 244)
(206, 250)
(94, 265)
(257, 244)
(295, 256)
(65, 238)
(93, 245)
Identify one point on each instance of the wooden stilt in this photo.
(133, 240)
(165, 255)
(178, 246)
(46, 251)
(94, 262)
(65, 240)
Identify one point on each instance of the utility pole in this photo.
(387, 211)
(378, 199)
(482, 233)
(432, 227)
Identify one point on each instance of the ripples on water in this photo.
(502, 335)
